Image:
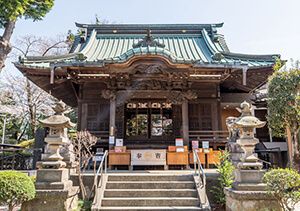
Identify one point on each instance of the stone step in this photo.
(151, 185)
(110, 193)
(151, 208)
(153, 202)
(150, 178)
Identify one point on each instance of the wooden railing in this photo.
(101, 134)
(219, 136)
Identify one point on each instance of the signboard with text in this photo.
(111, 140)
(195, 144)
(205, 146)
(119, 142)
(179, 142)
(148, 157)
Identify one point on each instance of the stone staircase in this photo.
(144, 191)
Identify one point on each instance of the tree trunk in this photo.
(290, 146)
(296, 155)
(5, 46)
(81, 184)
(31, 107)
(293, 150)
(10, 207)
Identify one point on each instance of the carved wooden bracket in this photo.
(108, 94)
(178, 97)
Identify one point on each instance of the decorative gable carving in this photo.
(148, 40)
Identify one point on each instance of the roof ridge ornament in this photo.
(148, 40)
(218, 56)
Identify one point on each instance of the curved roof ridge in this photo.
(139, 26)
(90, 42)
(49, 58)
(209, 42)
(148, 50)
(270, 57)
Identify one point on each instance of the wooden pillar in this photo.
(112, 116)
(185, 122)
(84, 114)
(112, 122)
(245, 69)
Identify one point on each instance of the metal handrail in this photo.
(200, 170)
(100, 171)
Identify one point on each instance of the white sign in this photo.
(148, 157)
(179, 149)
(111, 140)
(97, 158)
(179, 142)
(205, 144)
(195, 144)
(119, 142)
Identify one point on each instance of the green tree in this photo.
(11, 11)
(16, 188)
(284, 109)
(284, 185)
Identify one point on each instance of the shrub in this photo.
(15, 188)
(84, 205)
(225, 169)
(284, 185)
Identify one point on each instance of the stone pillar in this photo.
(54, 189)
(185, 122)
(248, 191)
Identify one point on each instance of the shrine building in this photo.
(148, 84)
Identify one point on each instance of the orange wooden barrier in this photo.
(213, 157)
(201, 156)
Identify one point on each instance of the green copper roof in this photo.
(180, 43)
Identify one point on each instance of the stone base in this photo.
(50, 200)
(52, 175)
(249, 176)
(53, 179)
(250, 201)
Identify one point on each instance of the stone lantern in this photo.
(54, 189)
(57, 137)
(246, 124)
(248, 191)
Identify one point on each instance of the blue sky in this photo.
(250, 26)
